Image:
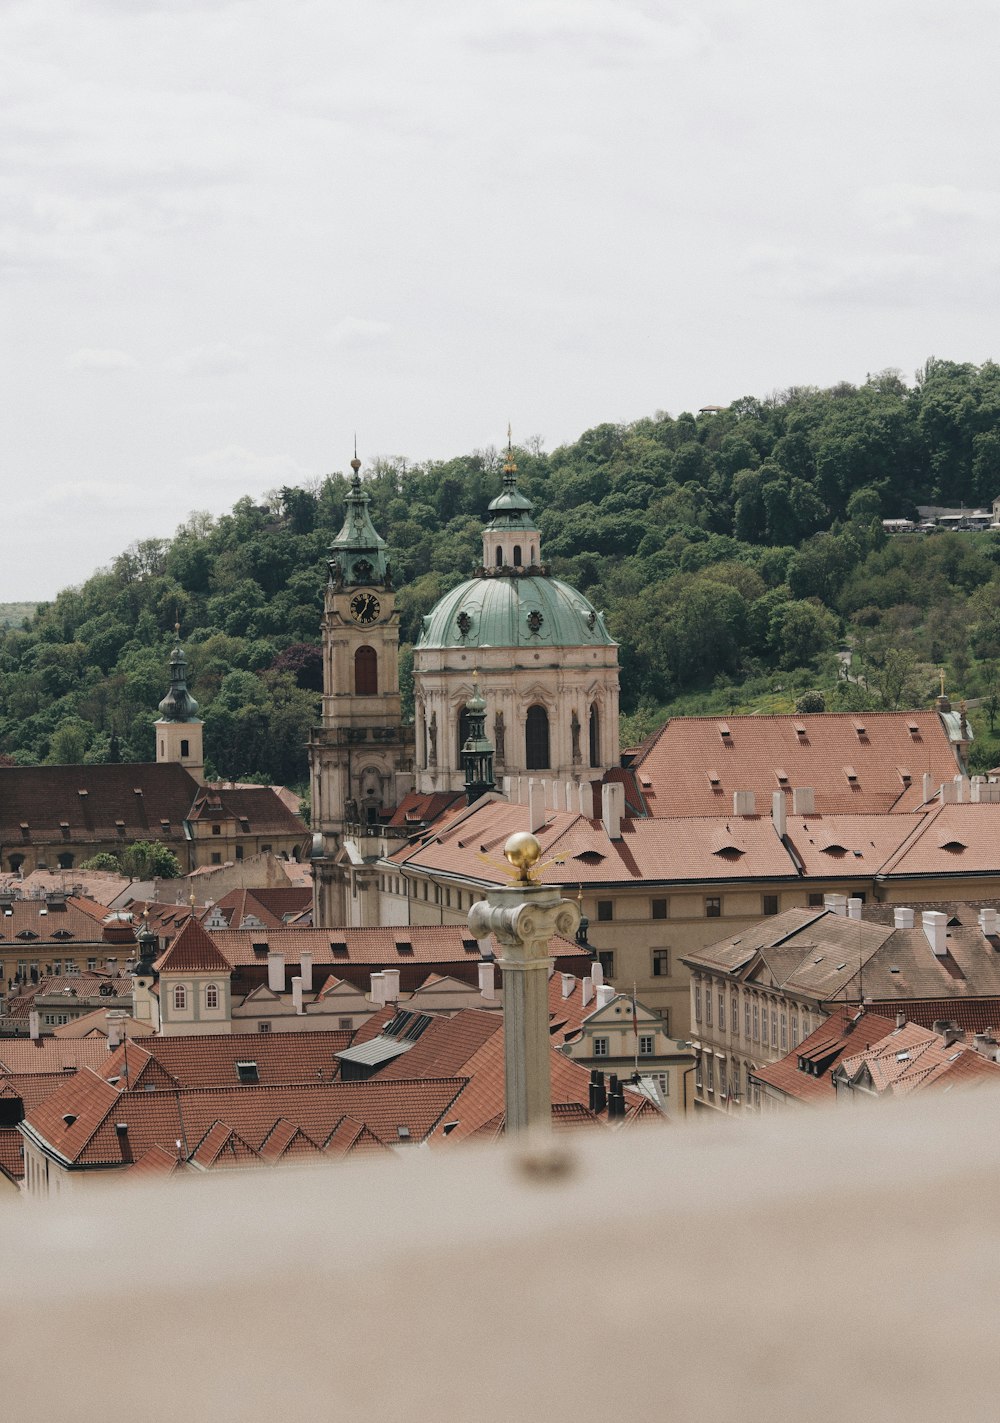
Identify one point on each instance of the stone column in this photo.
(524, 917)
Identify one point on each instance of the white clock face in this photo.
(365, 607)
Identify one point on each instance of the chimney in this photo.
(536, 805)
(976, 789)
(276, 972)
(928, 785)
(599, 1097)
(951, 1034)
(588, 990)
(744, 803)
(778, 812)
(378, 989)
(297, 994)
(902, 918)
(114, 1031)
(959, 783)
(570, 798)
(306, 970)
(487, 981)
(613, 808)
(854, 908)
(586, 799)
(949, 793)
(597, 973)
(988, 921)
(557, 795)
(900, 1018)
(605, 994)
(568, 984)
(390, 977)
(111, 967)
(803, 800)
(33, 1028)
(935, 926)
(836, 904)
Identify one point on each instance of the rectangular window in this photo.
(774, 1027)
(661, 963)
(746, 1018)
(784, 1032)
(239, 852)
(710, 1072)
(606, 959)
(601, 1047)
(697, 1005)
(263, 1027)
(770, 904)
(91, 965)
(71, 967)
(645, 1046)
(699, 1080)
(756, 1027)
(708, 1007)
(663, 1081)
(816, 901)
(345, 1024)
(736, 1015)
(185, 748)
(605, 910)
(795, 1030)
(216, 857)
(713, 907)
(216, 829)
(659, 908)
(722, 1012)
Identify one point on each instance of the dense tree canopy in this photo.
(731, 551)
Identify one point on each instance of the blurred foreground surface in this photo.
(808, 1268)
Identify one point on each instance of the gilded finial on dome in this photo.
(355, 462)
(509, 466)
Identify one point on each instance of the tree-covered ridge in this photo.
(731, 551)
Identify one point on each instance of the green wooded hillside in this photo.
(732, 552)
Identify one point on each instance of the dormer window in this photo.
(800, 730)
(64, 829)
(851, 774)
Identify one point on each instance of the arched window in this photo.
(180, 998)
(463, 733)
(595, 735)
(536, 739)
(499, 556)
(531, 556)
(212, 996)
(366, 672)
(517, 555)
(185, 748)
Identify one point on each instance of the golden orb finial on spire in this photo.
(355, 462)
(509, 466)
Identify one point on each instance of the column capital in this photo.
(524, 917)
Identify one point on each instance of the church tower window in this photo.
(517, 555)
(366, 672)
(536, 739)
(595, 735)
(499, 556)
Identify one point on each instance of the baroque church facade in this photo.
(512, 660)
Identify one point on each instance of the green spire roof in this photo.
(511, 509)
(178, 704)
(358, 551)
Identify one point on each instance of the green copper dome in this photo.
(178, 704)
(358, 551)
(516, 611)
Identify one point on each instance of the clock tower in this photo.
(361, 756)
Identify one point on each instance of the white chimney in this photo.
(297, 994)
(390, 977)
(568, 984)
(276, 972)
(378, 989)
(306, 969)
(976, 789)
(928, 785)
(988, 921)
(836, 904)
(605, 994)
(949, 793)
(778, 812)
(587, 799)
(569, 797)
(900, 1018)
(536, 805)
(803, 800)
(854, 908)
(557, 795)
(588, 990)
(959, 783)
(744, 803)
(902, 918)
(597, 973)
(114, 1030)
(487, 980)
(613, 809)
(935, 926)
(33, 1025)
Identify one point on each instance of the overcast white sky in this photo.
(234, 231)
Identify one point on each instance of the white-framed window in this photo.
(180, 998)
(708, 1007)
(774, 1027)
(697, 1004)
(710, 1072)
(663, 1082)
(699, 1079)
(795, 1030)
(646, 1045)
(345, 1024)
(722, 1011)
(601, 1046)
(212, 995)
(661, 963)
(736, 1014)
(784, 1032)
(746, 1018)
(263, 1027)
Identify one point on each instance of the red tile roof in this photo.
(671, 766)
(11, 1153)
(192, 952)
(840, 1032)
(256, 810)
(77, 923)
(446, 944)
(210, 1061)
(48, 1054)
(139, 796)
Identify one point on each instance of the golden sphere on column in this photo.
(522, 851)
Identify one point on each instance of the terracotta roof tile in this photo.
(42, 797)
(192, 952)
(836, 1037)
